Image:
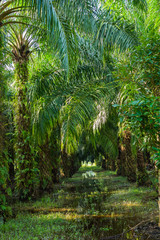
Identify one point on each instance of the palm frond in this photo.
(114, 32)
(21, 43)
(7, 11)
(73, 103)
(81, 13)
(106, 136)
(138, 4)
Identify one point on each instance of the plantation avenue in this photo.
(79, 119)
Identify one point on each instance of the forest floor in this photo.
(95, 208)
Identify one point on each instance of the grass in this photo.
(82, 209)
(38, 227)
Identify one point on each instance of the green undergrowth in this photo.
(82, 208)
(37, 227)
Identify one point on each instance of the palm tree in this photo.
(79, 108)
(52, 18)
(70, 104)
(20, 53)
(75, 105)
(67, 37)
(21, 44)
(7, 16)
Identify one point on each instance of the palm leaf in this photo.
(114, 32)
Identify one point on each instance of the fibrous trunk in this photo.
(70, 163)
(23, 147)
(45, 168)
(121, 160)
(3, 160)
(130, 162)
(66, 163)
(48, 166)
(142, 176)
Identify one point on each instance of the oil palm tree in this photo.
(5, 14)
(69, 104)
(22, 45)
(8, 15)
(50, 14)
(9, 12)
(72, 104)
(76, 105)
(61, 19)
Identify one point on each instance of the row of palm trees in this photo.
(65, 97)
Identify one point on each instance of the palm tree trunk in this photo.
(108, 163)
(11, 152)
(75, 164)
(130, 162)
(2, 125)
(104, 163)
(23, 147)
(142, 176)
(49, 163)
(66, 164)
(45, 168)
(121, 160)
(70, 164)
(3, 161)
(113, 165)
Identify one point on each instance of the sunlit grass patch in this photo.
(40, 227)
(46, 200)
(131, 204)
(89, 167)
